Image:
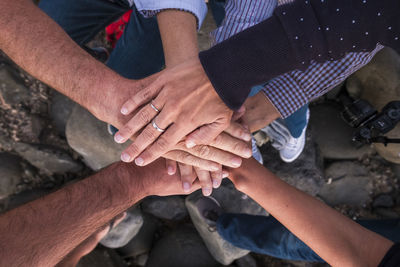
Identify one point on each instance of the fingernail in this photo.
(124, 110)
(236, 162)
(215, 183)
(190, 144)
(186, 187)
(171, 170)
(139, 161)
(247, 152)
(125, 157)
(246, 136)
(118, 138)
(206, 191)
(225, 174)
(214, 168)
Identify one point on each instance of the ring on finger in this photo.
(156, 127)
(154, 107)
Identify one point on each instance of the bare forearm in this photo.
(37, 44)
(178, 34)
(42, 232)
(334, 237)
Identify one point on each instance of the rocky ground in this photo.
(42, 149)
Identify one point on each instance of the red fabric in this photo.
(115, 30)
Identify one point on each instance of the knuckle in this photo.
(162, 143)
(204, 151)
(149, 134)
(126, 130)
(238, 147)
(144, 116)
(133, 149)
(218, 140)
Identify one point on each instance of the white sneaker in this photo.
(289, 147)
(256, 152)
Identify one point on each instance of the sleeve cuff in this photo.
(149, 8)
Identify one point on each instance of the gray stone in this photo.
(10, 174)
(305, 173)
(89, 137)
(396, 170)
(352, 189)
(231, 201)
(142, 242)
(101, 257)
(169, 208)
(60, 110)
(141, 260)
(181, 248)
(333, 135)
(338, 170)
(246, 261)
(47, 158)
(12, 88)
(387, 213)
(32, 128)
(127, 229)
(385, 201)
(379, 83)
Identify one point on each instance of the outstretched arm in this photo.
(44, 231)
(334, 237)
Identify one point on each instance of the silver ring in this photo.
(154, 107)
(156, 127)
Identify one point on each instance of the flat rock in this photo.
(60, 110)
(12, 88)
(379, 83)
(47, 158)
(231, 201)
(89, 137)
(121, 234)
(341, 169)
(246, 261)
(332, 134)
(385, 201)
(181, 248)
(10, 174)
(142, 242)
(169, 208)
(101, 257)
(305, 173)
(352, 189)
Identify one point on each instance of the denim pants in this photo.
(138, 53)
(265, 235)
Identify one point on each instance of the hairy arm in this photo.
(44, 231)
(41, 47)
(334, 237)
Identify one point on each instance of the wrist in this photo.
(128, 179)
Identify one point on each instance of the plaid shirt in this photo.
(291, 90)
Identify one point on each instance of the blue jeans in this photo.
(138, 53)
(265, 235)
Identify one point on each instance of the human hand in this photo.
(259, 112)
(209, 180)
(184, 101)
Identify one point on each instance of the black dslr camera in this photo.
(371, 125)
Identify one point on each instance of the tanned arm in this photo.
(178, 35)
(40, 46)
(334, 237)
(44, 231)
